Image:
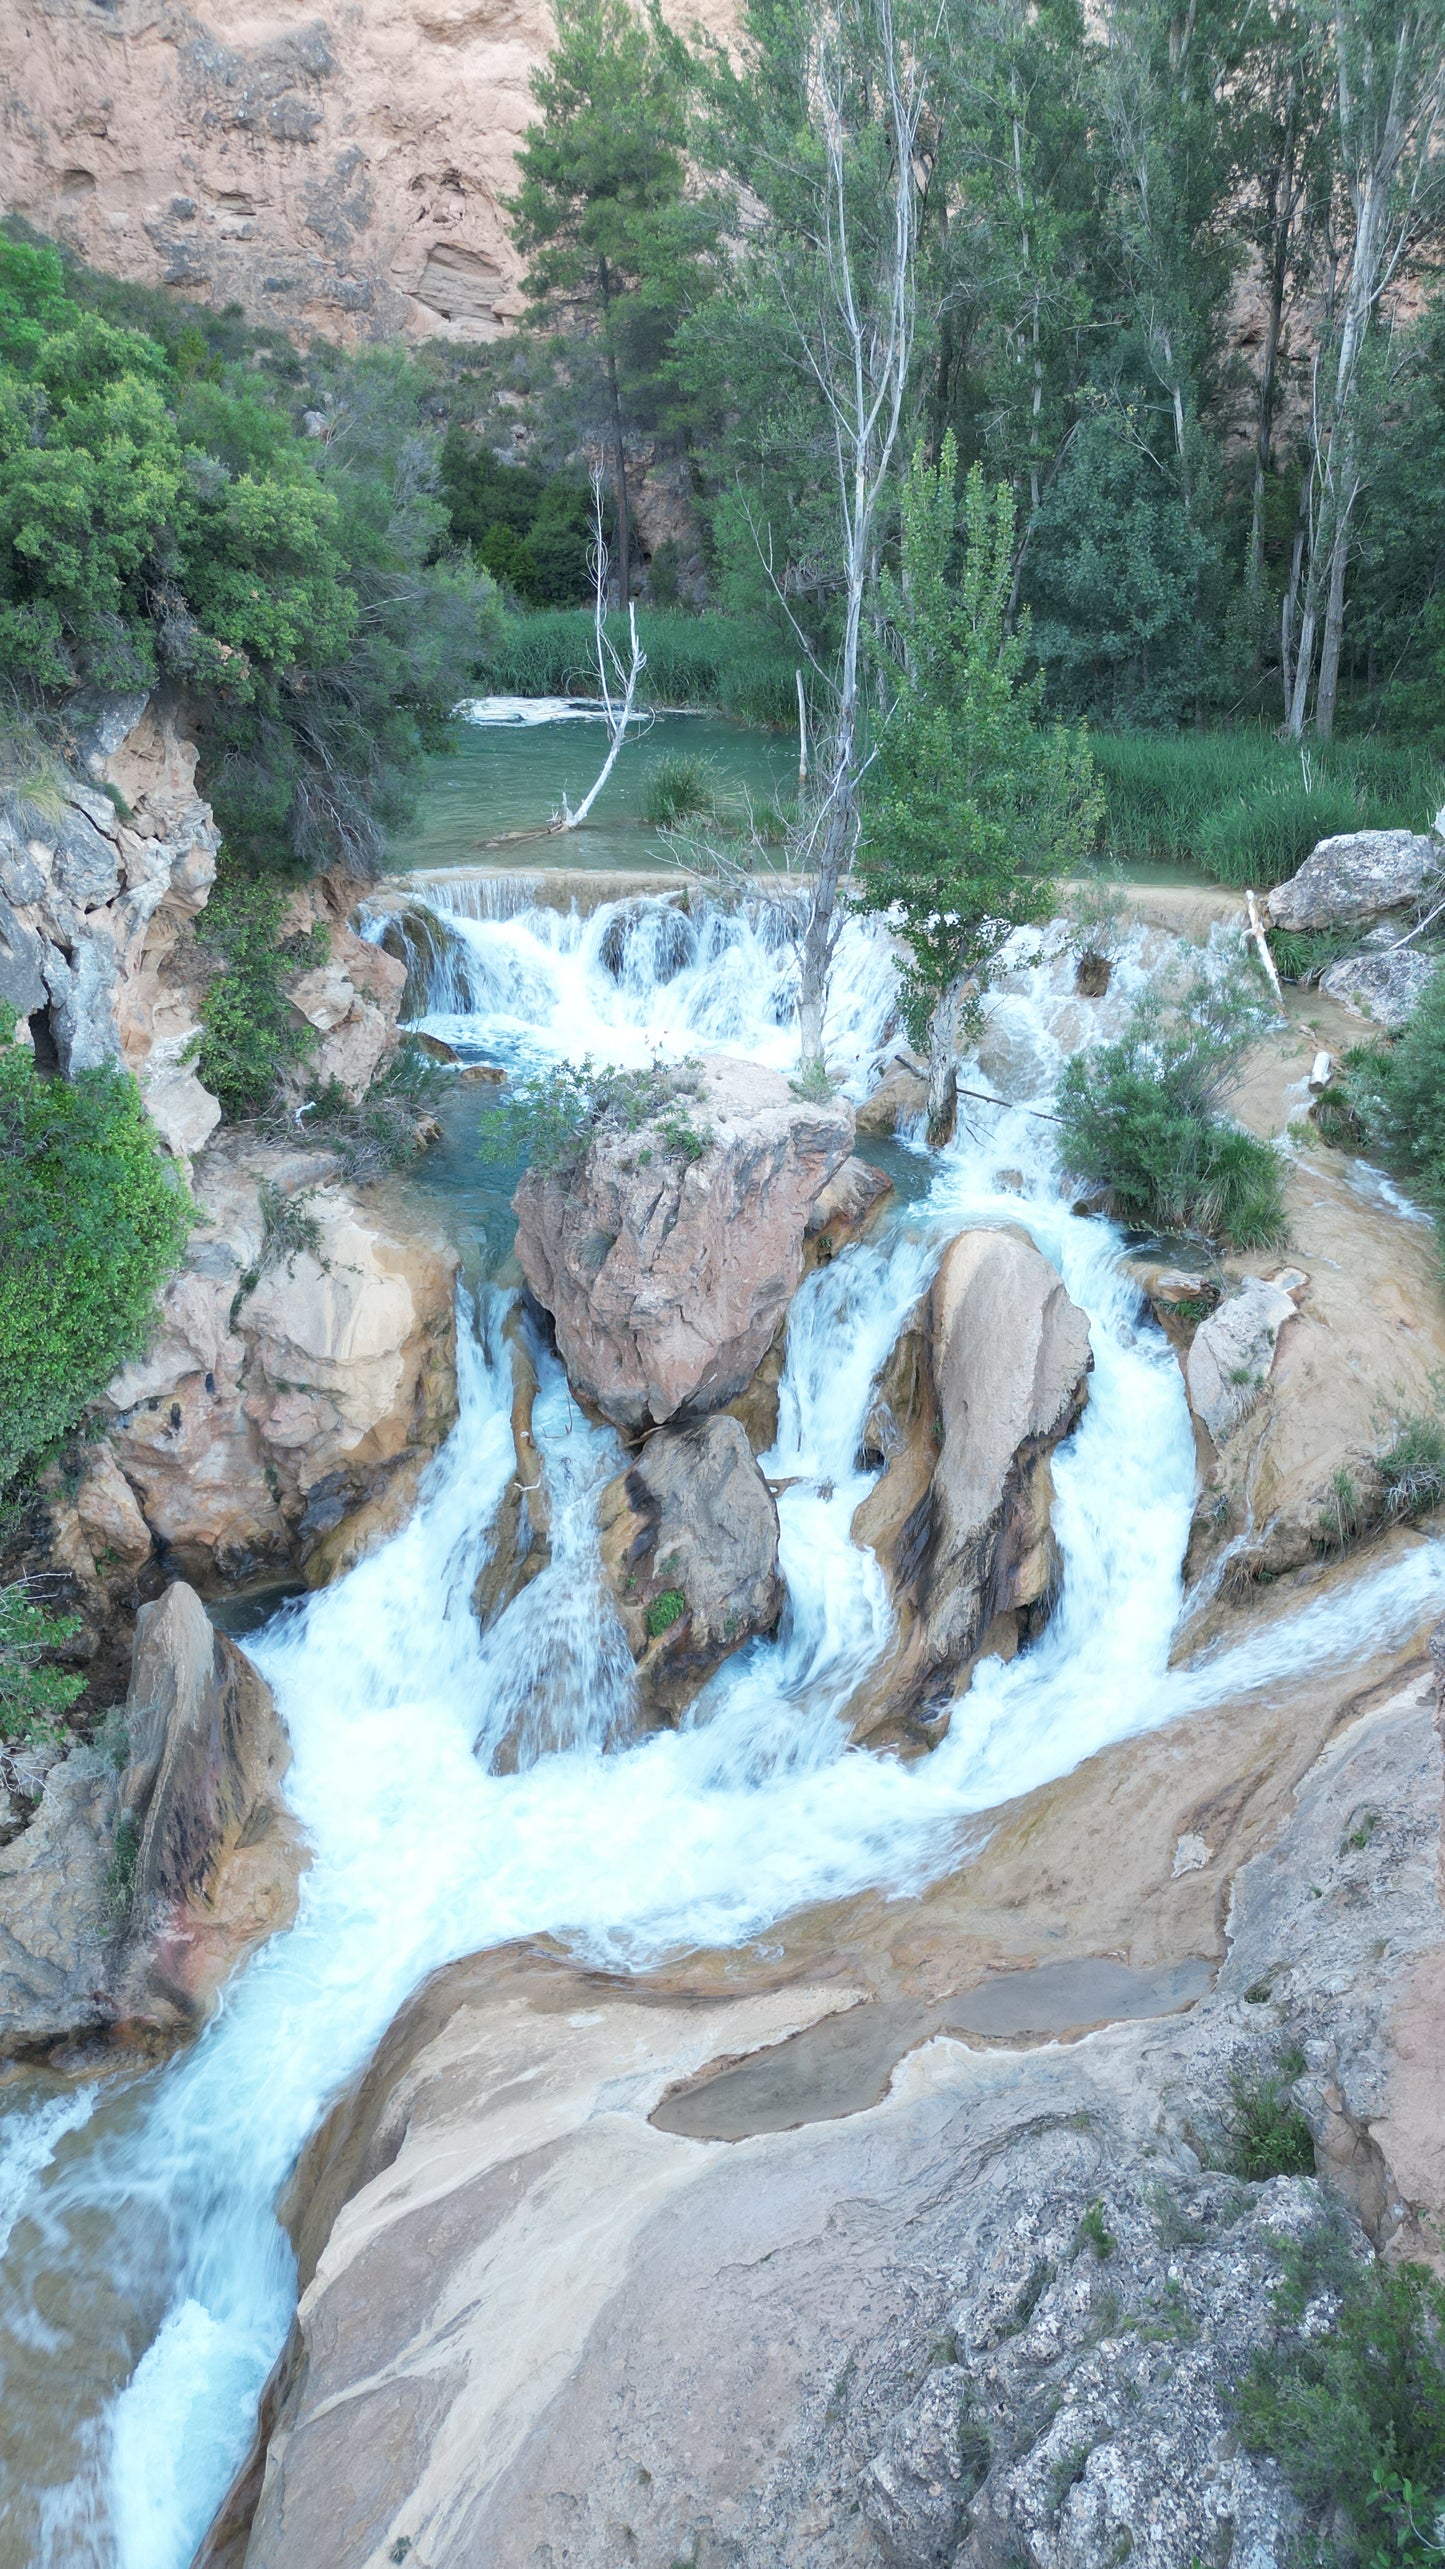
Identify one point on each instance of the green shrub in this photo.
(664, 1612)
(1412, 1467)
(1266, 2134)
(1398, 1093)
(681, 787)
(32, 1693)
(548, 1120)
(1302, 954)
(92, 1219)
(386, 1128)
(251, 1034)
(1139, 1117)
(1355, 2415)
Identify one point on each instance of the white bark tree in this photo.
(1388, 79)
(616, 684)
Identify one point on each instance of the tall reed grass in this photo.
(1248, 808)
(717, 660)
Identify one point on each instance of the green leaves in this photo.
(92, 1218)
(975, 805)
(32, 1694)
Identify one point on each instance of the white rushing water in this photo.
(161, 2201)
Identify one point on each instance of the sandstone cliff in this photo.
(336, 169)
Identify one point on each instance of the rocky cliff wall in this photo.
(338, 169)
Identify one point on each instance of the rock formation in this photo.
(983, 2298)
(340, 170)
(1232, 1352)
(92, 903)
(666, 1274)
(303, 1370)
(157, 1858)
(1384, 987)
(980, 1388)
(689, 1537)
(1350, 880)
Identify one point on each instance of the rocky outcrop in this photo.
(846, 1211)
(689, 1539)
(898, 1096)
(1385, 988)
(302, 1373)
(978, 1392)
(337, 170)
(987, 2301)
(353, 1000)
(157, 1858)
(98, 877)
(667, 1268)
(1233, 1350)
(1348, 880)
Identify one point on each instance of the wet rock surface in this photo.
(984, 1382)
(666, 1277)
(1232, 1353)
(156, 1858)
(689, 1540)
(996, 2315)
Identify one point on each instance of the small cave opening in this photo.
(47, 1051)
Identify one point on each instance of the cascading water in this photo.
(148, 2283)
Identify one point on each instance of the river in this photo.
(148, 2285)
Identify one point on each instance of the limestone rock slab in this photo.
(1358, 876)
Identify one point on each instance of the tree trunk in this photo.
(943, 1068)
(1329, 680)
(619, 452)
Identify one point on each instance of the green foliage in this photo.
(1303, 954)
(531, 530)
(1355, 2413)
(32, 1693)
(664, 1612)
(1094, 2232)
(1398, 1093)
(548, 1120)
(680, 788)
(388, 1127)
(1412, 1466)
(121, 1871)
(1140, 1117)
(1237, 802)
(162, 515)
(89, 1205)
(1266, 2134)
(251, 1035)
(975, 807)
(738, 666)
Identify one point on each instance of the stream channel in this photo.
(147, 2283)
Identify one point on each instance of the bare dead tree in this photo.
(849, 300)
(1389, 108)
(616, 685)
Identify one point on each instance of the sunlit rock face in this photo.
(335, 169)
(666, 1274)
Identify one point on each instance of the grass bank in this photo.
(1248, 807)
(719, 661)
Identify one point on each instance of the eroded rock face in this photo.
(298, 1375)
(1383, 988)
(978, 1392)
(689, 1538)
(1356, 877)
(666, 1279)
(92, 903)
(1232, 1353)
(994, 2306)
(899, 1096)
(156, 1860)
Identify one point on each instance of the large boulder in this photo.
(1384, 987)
(666, 1275)
(157, 1858)
(689, 1537)
(984, 1383)
(1231, 1355)
(1356, 877)
(302, 1373)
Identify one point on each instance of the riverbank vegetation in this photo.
(1141, 1120)
(92, 1219)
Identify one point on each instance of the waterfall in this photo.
(148, 2285)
